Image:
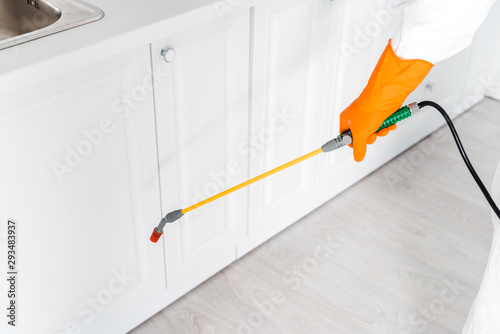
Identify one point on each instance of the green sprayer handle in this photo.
(401, 114)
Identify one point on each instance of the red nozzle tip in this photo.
(155, 236)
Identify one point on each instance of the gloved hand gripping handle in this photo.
(346, 137)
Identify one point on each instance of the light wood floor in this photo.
(392, 254)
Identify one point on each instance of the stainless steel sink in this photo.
(25, 20)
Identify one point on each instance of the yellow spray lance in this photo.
(334, 144)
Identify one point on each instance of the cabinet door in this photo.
(358, 39)
(359, 35)
(79, 176)
(202, 116)
(290, 40)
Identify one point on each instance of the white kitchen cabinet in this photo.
(202, 120)
(79, 175)
(288, 58)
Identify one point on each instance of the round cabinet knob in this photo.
(168, 54)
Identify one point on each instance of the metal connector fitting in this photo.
(338, 142)
(413, 107)
(169, 218)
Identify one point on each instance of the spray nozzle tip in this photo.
(155, 236)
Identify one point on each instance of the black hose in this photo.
(486, 194)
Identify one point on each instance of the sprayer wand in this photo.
(332, 145)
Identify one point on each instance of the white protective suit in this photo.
(434, 30)
(484, 315)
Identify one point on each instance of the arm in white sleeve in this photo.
(434, 30)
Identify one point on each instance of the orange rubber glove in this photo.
(392, 80)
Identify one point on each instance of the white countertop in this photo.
(127, 24)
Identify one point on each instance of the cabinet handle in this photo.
(168, 54)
